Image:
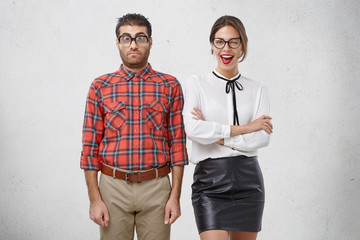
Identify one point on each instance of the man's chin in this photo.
(135, 65)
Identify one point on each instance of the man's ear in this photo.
(117, 43)
(150, 42)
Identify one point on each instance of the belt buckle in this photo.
(138, 180)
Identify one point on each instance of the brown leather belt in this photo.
(136, 176)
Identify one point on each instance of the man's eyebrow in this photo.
(137, 34)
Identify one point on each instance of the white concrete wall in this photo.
(307, 52)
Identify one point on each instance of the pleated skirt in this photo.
(228, 194)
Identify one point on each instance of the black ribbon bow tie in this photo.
(230, 85)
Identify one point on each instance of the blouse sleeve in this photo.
(258, 139)
(203, 132)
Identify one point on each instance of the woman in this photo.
(227, 118)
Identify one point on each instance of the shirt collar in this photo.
(226, 77)
(126, 75)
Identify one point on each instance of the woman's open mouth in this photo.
(226, 59)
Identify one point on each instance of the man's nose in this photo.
(133, 44)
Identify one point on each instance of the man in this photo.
(133, 132)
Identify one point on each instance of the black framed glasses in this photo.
(126, 40)
(220, 43)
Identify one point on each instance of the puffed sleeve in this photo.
(203, 132)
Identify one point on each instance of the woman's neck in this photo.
(227, 73)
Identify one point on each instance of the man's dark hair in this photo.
(133, 19)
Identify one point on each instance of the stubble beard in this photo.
(135, 64)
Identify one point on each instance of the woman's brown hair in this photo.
(235, 23)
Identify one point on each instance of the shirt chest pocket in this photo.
(115, 115)
(154, 114)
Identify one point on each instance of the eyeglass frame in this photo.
(226, 42)
(133, 39)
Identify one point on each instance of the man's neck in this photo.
(136, 69)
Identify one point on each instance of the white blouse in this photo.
(208, 93)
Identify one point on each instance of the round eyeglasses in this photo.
(126, 40)
(233, 43)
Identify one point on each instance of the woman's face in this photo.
(227, 57)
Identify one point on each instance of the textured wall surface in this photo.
(307, 52)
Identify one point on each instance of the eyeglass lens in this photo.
(233, 43)
(126, 39)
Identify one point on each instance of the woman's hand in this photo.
(197, 114)
(262, 123)
(221, 142)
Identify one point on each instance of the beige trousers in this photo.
(139, 206)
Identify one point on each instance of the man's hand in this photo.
(172, 210)
(98, 210)
(172, 207)
(99, 213)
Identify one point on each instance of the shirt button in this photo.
(136, 97)
(136, 130)
(136, 146)
(136, 113)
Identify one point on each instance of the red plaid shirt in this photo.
(133, 121)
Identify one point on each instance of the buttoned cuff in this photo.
(89, 163)
(229, 142)
(179, 157)
(225, 131)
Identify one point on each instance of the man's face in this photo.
(134, 55)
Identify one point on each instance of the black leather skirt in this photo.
(228, 194)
